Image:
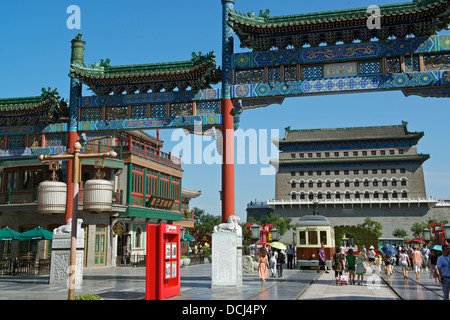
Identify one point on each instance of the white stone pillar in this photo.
(60, 264)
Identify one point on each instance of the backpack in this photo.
(281, 258)
(337, 262)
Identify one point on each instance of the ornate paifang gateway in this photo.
(317, 53)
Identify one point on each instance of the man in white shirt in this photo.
(443, 266)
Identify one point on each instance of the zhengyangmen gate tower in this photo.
(298, 55)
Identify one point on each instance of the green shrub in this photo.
(363, 236)
(88, 296)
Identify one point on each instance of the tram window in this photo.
(323, 237)
(312, 236)
(302, 237)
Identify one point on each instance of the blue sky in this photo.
(35, 53)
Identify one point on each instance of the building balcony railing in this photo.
(257, 204)
(340, 202)
(188, 214)
(31, 196)
(145, 150)
(18, 197)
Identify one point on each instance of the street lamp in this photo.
(255, 229)
(447, 231)
(182, 233)
(275, 234)
(426, 235)
(76, 158)
(255, 232)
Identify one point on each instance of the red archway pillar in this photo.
(227, 159)
(71, 202)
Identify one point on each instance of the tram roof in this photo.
(313, 220)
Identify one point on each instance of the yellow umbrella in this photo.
(277, 245)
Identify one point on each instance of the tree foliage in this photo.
(205, 222)
(399, 233)
(373, 225)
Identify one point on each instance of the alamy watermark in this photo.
(251, 147)
(74, 20)
(374, 20)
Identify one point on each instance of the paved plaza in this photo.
(113, 283)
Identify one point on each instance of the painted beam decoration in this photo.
(369, 50)
(155, 97)
(155, 123)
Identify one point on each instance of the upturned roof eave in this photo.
(238, 21)
(143, 70)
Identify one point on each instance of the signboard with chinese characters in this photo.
(159, 203)
(337, 70)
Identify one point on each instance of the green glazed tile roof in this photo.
(198, 65)
(263, 22)
(44, 109)
(48, 99)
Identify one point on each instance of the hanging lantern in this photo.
(52, 194)
(98, 193)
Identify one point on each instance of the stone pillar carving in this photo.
(227, 253)
(60, 264)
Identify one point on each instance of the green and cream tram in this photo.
(311, 232)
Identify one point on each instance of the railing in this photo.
(257, 204)
(352, 201)
(147, 151)
(188, 214)
(31, 196)
(133, 260)
(17, 197)
(24, 267)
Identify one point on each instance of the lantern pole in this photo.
(75, 160)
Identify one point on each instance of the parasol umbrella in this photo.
(37, 233)
(253, 245)
(188, 238)
(277, 245)
(388, 250)
(436, 247)
(9, 234)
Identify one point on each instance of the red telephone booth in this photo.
(163, 261)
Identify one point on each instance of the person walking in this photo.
(364, 252)
(426, 256)
(410, 252)
(379, 261)
(387, 264)
(290, 254)
(371, 257)
(338, 265)
(263, 267)
(433, 269)
(417, 262)
(273, 263)
(281, 259)
(443, 267)
(351, 262)
(322, 259)
(360, 268)
(404, 263)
